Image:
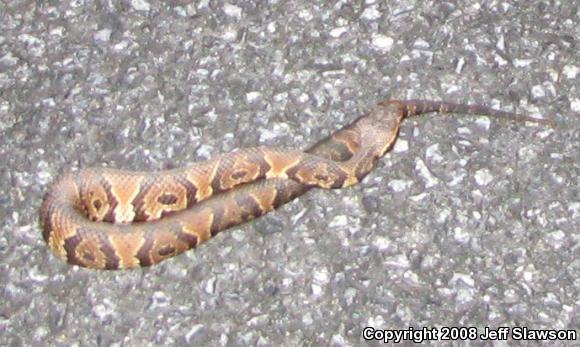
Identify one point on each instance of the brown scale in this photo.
(179, 209)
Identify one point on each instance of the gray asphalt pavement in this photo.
(469, 222)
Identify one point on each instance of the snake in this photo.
(103, 218)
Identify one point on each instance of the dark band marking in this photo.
(248, 206)
(144, 252)
(45, 212)
(339, 151)
(239, 174)
(281, 196)
(216, 223)
(138, 202)
(365, 166)
(110, 215)
(71, 246)
(166, 213)
(190, 188)
(262, 164)
(320, 173)
(111, 260)
(339, 178)
(223, 168)
(189, 239)
(167, 199)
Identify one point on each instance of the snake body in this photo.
(115, 219)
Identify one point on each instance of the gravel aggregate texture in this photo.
(469, 221)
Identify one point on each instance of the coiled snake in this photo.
(113, 219)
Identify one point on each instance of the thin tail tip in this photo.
(416, 107)
(551, 123)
